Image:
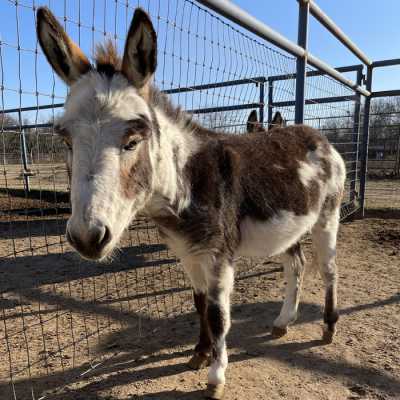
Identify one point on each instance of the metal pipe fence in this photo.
(61, 317)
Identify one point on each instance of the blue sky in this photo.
(372, 24)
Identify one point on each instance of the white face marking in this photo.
(96, 115)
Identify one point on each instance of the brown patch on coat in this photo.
(137, 178)
(233, 177)
(204, 345)
(216, 321)
(331, 316)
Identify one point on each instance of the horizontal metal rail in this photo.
(247, 21)
(223, 108)
(386, 93)
(256, 80)
(347, 68)
(32, 108)
(315, 62)
(329, 24)
(25, 126)
(386, 63)
(320, 100)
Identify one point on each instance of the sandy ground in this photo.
(129, 326)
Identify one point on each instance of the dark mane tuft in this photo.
(107, 58)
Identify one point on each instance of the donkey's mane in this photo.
(107, 58)
(109, 62)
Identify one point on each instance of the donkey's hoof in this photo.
(199, 361)
(215, 392)
(278, 332)
(327, 336)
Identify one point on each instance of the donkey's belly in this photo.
(274, 236)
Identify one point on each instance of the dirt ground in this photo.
(125, 330)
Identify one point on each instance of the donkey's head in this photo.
(108, 127)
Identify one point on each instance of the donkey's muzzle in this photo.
(92, 243)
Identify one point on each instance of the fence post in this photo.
(397, 166)
(302, 35)
(356, 137)
(262, 95)
(365, 142)
(23, 153)
(270, 100)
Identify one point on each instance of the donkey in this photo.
(253, 125)
(213, 196)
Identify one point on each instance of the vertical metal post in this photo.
(365, 143)
(302, 36)
(23, 153)
(270, 100)
(397, 167)
(355, 138)
(262, 95)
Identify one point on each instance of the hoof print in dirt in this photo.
(214, 392)
(278, 332)
(199, 361)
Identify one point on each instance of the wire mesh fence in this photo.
(60, 315)
(332, 108)
(383, 183)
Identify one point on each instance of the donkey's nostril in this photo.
(71, 238)
(90, 243)
(106, 237)
(101, 236)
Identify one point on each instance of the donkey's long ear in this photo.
(277, 120)
(63, 54)
(140, 55)
(252, 122)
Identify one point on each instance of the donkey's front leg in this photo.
(220, 285)
(201, 357)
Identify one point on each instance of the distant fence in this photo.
(61, 317)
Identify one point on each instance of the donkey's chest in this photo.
(274, 236)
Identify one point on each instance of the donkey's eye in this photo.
(131, 144)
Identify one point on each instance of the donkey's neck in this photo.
(169, 153)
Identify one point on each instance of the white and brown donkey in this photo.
(213, 196)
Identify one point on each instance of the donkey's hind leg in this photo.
(324, 235)
(294, 263)
(202, 351)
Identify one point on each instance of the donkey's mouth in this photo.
(94, 249)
